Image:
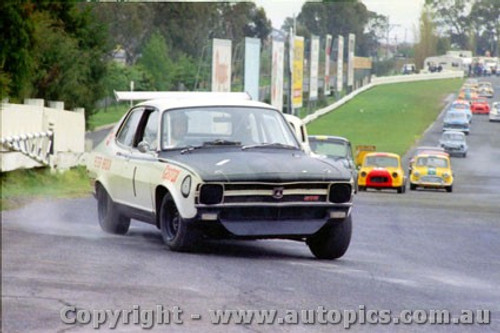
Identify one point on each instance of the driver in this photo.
(179, 127)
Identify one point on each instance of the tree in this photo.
(486, 15)
(336, 18)
(452, 16)
(16, 62)
(427, 45)
(156, 61)
(52, 50)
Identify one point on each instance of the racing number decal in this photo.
(170, 173)
(102, 163)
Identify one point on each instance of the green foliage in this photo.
(392, 116)
(157, 63)
(52, 50)
(110, 115)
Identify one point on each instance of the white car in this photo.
(200, 167)
(495, 112)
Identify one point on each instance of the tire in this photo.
(361, 188)
(176, 233)
(449, 188)
(402, 189)
(464, 155)
(332, 241)
(110, 219)
(413, 187)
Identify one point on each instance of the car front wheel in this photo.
(332, 241)
(176, 233)
(110, 219)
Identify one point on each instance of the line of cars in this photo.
(429, 167)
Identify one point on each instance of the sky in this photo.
(403, 14)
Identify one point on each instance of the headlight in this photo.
(363, 174)
(416, 174)
(186, 186)
(394, 175)
(446, 175)
(340, 193)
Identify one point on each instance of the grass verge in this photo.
(392, 117)
(107, 116)
(22, 186)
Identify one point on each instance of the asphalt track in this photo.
(419, 250)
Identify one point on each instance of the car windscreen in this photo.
(329, 148)
(455, 116)
(432, 161)
(453, 137)
(381, 161)
(224, 125)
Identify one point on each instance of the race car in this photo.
(485, 89)
(382, 171)
(435, 150)
(495, 112)
(479, 106)
(432, 171)
(198, 165)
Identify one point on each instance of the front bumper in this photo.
(271, 221)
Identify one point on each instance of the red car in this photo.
(480, 106)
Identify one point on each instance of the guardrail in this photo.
(376, 81)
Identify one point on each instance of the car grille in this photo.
(379, 179)
(432, 179)
(280, 194)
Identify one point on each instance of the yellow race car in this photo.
(382, 171)
(432, 171)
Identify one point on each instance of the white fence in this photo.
(33, 135)
(376, 81)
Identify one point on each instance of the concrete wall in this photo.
(34, 117)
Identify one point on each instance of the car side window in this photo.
(151, 130)
(128, 130)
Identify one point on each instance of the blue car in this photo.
(462, 106)
(456, 120)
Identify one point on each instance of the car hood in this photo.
(269, 165)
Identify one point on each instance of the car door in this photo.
(121, 174)
(143, 162)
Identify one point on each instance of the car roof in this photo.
(433, 155)
(382, 154)
(175, 103)
(327, 138)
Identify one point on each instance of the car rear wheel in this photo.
(110, 219)
(176, 233)
(332, 241)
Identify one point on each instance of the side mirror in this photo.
(143, 147)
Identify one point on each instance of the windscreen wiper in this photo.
(269, 145)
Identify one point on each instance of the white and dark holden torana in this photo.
(219, 167)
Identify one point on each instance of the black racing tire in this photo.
(413, 187)
(176, 233)
(449, 188)
(464, 155)
(110, 219)
(332, 241)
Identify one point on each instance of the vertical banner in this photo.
(298, 71)
(340, 64)
(278, 54)
(328, 51)
(350, 60)
(313, 72)
(252, 67)
(221, 65)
